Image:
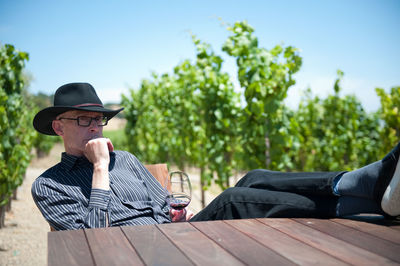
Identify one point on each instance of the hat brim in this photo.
(43, 120)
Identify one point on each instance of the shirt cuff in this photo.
(99, 198)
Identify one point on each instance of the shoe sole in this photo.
(391, 198)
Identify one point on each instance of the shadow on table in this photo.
(376, 219)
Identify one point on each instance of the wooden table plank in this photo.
(363, 240)
(153, 246)
(380, 231)
(376, 219)
(331, 245)
(109, 246)
(68, 248)
(196, 246)
(241, 246)
(293, 249)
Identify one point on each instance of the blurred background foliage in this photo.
(193, 116)
(16, 137)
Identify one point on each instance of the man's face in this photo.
(75, 137)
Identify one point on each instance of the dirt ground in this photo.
(23, 240)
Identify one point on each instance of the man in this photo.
(95, 186)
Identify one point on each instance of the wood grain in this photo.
(338, 248)
(199, 248)
(293, 249)
(153, 246)
(233, 242)
(68, 248)
(241, 246)
(109, 246)
(358, 238)
(383, 232)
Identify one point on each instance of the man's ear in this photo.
(57, 127)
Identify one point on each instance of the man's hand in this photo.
(97, 152)
(181, 215)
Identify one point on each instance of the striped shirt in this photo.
(67, 201)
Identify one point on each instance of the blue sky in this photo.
(115, 44)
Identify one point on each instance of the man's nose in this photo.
(93, 125)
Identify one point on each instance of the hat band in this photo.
(87, 104)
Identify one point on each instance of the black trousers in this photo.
(263, 193)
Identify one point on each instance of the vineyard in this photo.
(17, 136)
(194, 116)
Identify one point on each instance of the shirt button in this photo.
(105, 198)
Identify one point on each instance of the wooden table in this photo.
(233, 242)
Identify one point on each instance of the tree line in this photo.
(17, 136)
(193, 116)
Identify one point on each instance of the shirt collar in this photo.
(68, 161)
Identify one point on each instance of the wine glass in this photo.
(180, 190)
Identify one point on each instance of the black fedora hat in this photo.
(72, 96)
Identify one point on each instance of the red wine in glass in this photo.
(178, 201)
(180, 190)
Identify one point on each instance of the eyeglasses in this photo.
(85, 121)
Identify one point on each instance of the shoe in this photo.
(387, 187)
(391, 198)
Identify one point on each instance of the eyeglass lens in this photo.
(86, 120)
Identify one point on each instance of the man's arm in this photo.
(97, 151)
(66, 208)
